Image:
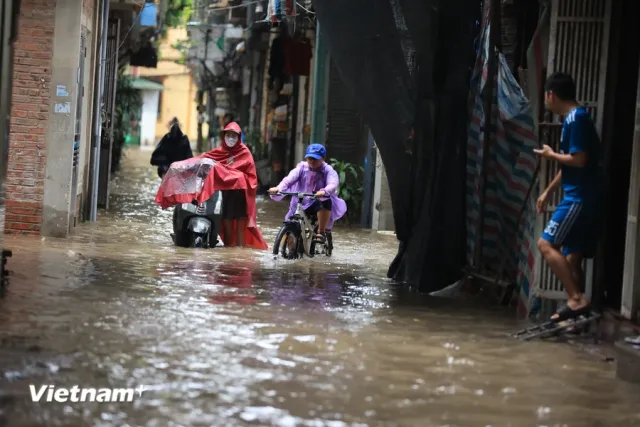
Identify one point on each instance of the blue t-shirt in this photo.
(581, 184)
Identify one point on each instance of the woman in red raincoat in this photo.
(239, 226)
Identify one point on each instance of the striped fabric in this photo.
(511, 169)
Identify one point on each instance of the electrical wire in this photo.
(305, 9)
(124, 39)
(208, 6)
(205, 6)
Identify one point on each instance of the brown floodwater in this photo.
(232, 337)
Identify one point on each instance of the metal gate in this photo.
(578, 44)
(345, 138)
(108, 111)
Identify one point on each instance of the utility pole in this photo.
(201, 141)
(211, 100)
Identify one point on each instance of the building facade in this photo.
(63, 86)
(178, 96)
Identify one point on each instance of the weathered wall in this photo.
(87, 9)
(29, 116)
(32, 107)
(63, 110)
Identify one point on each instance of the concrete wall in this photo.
(61, 132)
(385, 209)
(29, 116)
(89, 9)
(382, 215)
(87, 126)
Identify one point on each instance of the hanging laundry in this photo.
(297, 57)
(280, 8)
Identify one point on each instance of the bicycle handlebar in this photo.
(289, 193)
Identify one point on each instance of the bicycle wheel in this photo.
(325, 248)
(288, 242)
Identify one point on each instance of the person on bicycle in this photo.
(315, 176)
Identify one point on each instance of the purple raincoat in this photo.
(303, 179)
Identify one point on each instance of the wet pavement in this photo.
(231, 337)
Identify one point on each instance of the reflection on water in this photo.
(232, 337)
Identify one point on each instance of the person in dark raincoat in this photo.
(173, 147)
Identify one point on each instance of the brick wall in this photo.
(29, 116)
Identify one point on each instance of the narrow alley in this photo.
(231, 337)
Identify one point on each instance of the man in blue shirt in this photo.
(571, 234)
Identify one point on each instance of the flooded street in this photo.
(232, 337)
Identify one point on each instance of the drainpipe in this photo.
(97, 110)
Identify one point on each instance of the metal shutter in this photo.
(345, 133)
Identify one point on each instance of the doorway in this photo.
(618, 130)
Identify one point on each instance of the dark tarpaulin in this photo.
(407, 64)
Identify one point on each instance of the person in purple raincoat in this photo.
(314, 176)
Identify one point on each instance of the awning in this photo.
(144, 84)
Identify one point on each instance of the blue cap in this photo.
(316, 151)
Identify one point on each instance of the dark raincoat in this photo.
(173, 147)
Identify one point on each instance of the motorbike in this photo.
(196, 225)
(197, 209)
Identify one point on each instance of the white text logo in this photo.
(50, 393)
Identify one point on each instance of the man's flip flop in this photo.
(567, 313)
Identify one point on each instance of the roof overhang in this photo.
(144, 84)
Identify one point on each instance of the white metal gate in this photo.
(578, 44)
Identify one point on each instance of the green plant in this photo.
(253, 139)
(178, 13)
(183, 47)
(127, 108)
(350, 189)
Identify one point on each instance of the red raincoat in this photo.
(235, 170)
(239, 159)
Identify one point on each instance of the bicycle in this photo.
(295, 238)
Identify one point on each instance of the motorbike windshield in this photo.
(187, 176)
(185, 181)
